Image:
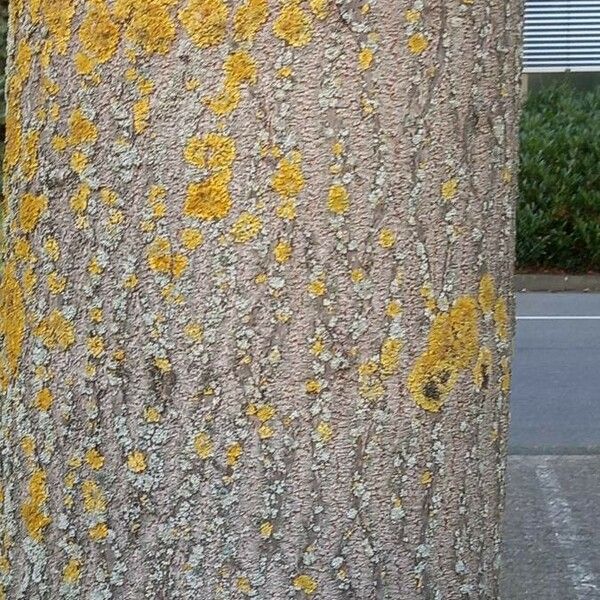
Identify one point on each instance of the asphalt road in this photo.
(552, 518)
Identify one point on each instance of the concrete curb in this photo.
(545, 282)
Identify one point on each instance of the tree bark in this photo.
(256, 300)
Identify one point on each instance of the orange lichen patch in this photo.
(390, 356)
(213, 151)
(487, 294)
(72, 571)
(98, 33)
(31, 209)
(233, 454)
(501, 319)
(94, 500)
(203, 445)
(449, 188)
(250, 18)
(44, 399)
(29, 155)
(12, 323)
(482, 370)
(136, 462)
(193, 331)
(79, 162)
(141, 115)
(287, 210)
(161, 260)
(28, 445)
(13, 136)
(338, 200)
(305, 583)
(148, 23)
(293, 25)
(452, 346)
(32, 510)
(210, 199)
(246, 228)
(205, 21)
(239, 69)
(288, 180)
(98, 532)
(426, 477)
(319, 8)
(417, 43)
(81, 129)
(94, 459)
(58, 16)
(151, 415)
(412, 16)
(55, 331)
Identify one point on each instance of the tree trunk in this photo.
(256, 302)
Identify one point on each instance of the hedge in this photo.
(558, 216)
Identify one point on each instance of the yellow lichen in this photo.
(452, 346)
(55, 331)
(31, 209)
(98, 532)
(32, 510)
(449, 188)
(387, 238)
(317, 288)
(243, 585)
(94, 459)
(29, 154)
(487, 294)
(312, 386)
(393, 309)
(205, 21)
(148, 23)
(213, 151)
(136, 462)
(293, 25)
(210, 199)
(95, 345)
(250, 18)
(319, 8)
(365, 58)
(98, 34)
(305, 583)
(338, 199)
(81, 129)
(234, 451)
(501, 318)
(246, 228)
(325, 431)
(417, 43)
(282, 251)
(390, 356)
(79, 201)
(203, 445)
(56, 283)
(58, 16)
(482, 368)
(72, 571)
(161, 260)
(94, 500)
(44, 399)
(266, 530)
(288, 180)
(141, 115)
(191, 238)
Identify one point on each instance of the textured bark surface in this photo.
(256, 302)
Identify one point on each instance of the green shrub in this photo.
(558, 217)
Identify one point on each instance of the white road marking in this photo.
(559, 318)
(585, 583)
